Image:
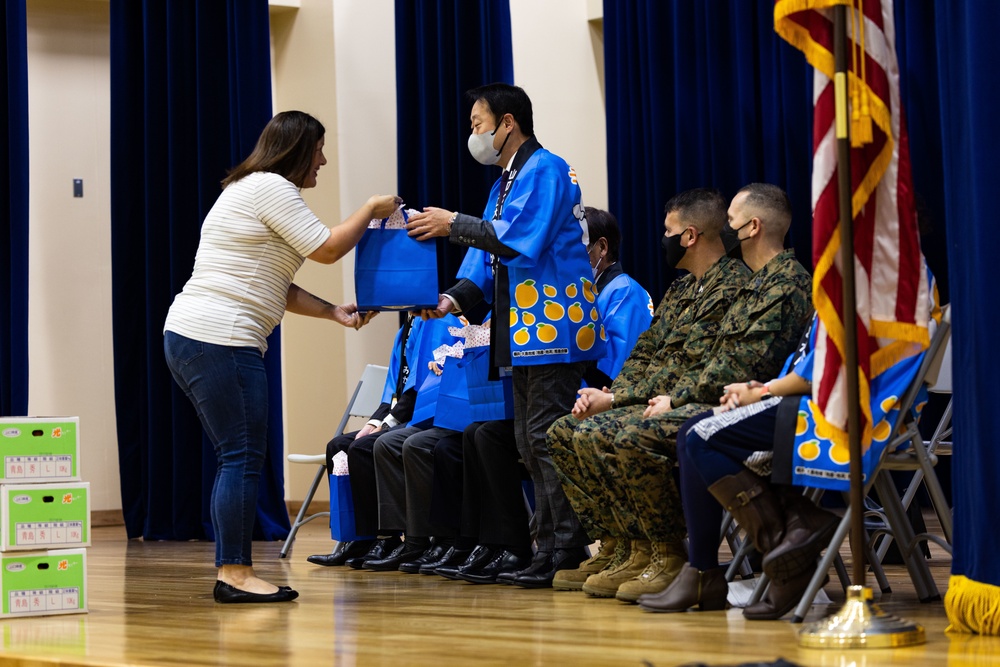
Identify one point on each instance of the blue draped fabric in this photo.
(190, 93)
(14, 215)
(444, 48)
(700, 94)
(969, 92)
(707, 94)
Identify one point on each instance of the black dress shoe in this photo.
(540, 559)
(480, 556)
(542, 570)
(431, 555)
(228, 594)
(404, 553)
(342, 553)
(379, 549)
(452, 557)
(504, 561)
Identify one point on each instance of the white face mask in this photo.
(481, 147)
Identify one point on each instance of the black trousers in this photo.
(543, 394)
(361, 464)
(493, 509)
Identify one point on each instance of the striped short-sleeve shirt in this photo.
(254, 239)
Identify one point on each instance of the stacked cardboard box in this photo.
(44, 517)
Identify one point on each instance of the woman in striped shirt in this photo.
(257, 235)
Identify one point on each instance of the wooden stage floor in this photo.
(151, 604)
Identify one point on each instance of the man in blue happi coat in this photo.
(542, 281)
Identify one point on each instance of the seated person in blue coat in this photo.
(415, 340)
(771, 430)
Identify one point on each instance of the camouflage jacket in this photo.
(760, 330)
(684, 328)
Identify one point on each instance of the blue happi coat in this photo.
(549, 299)
(425, 337)
(627, 311)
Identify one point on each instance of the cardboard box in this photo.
(44, 516)
(39, 449)
(43, 583)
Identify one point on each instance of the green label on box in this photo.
(46, 516)
(39, 448)
(44, 582)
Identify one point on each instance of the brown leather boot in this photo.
(572, 580)
(754, 506)
(707, 589)
(781, 598)
(808, 529)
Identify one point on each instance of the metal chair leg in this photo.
(899, 523)
(286, 547)
(824, 566)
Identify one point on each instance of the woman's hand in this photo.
(349, 316)
(383, 205)
(740, 393)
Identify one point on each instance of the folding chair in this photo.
(365, 400)
(914, 458)
(922, 457)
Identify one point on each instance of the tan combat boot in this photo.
(605, 583)
(665, 562)
(572, 580)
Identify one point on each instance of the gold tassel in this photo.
(972, 606)
(865, 121)
(855, 86)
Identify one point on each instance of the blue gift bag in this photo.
(488, 400)
(427, 395)
(467, 395)
(395, 272)
(452, 407)
(342, 510)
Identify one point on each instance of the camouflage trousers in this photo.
(617, 470)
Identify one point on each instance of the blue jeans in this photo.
(228, 388)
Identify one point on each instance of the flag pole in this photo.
(860, 623)
(845, 199)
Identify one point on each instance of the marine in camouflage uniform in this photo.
(685, 326)
(758, 333)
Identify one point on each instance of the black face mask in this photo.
(673, 251)
(731, 240)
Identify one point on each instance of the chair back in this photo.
(367, 395)
(939, 372)
(929, 370)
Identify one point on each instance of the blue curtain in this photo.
(969, 91)
(700, 94)
(707, 94)
(190, 93)
(14, 217)
(444, 48)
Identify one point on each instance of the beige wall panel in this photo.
(559, 61)
(69, 314)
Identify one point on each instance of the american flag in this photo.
(891, 279)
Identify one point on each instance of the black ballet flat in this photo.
(227, 594)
